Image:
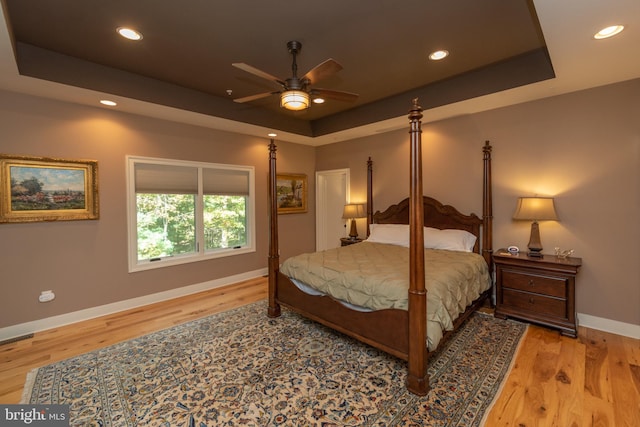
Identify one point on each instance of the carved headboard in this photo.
(436, 215)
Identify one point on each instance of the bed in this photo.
(401, 327)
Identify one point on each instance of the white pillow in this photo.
(398, 234)
(450, 239)
(393, 234)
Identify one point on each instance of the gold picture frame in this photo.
(291, 191)
(34, 189)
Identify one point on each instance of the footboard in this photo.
(384, 329)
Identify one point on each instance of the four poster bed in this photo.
(347, 294)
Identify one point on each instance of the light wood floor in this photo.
(555, 381)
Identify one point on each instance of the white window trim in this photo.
(200, 255)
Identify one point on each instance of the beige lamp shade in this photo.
(353, 211)
(535, 209)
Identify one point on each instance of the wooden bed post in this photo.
(417, 378)
(369, 194)
(274, 253)
(487, 208)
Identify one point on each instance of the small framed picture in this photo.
(291, 193)
(47, 189)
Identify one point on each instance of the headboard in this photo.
(441, 216)
(436, 215)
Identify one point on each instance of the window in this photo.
(181, 211)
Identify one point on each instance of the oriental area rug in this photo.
(241, 368)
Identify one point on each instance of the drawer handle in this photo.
(531, 283)
(531, 300)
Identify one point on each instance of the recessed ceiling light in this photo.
(608, 32)
(108, 102)
(318, 100)
(272, 135)
(438, 55)
(129, 33)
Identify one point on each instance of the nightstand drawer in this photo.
(535, 303)
(553, 286)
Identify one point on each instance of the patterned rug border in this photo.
(375, 390)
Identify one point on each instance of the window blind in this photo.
(228, 182)
(166, 179)
(173, 179)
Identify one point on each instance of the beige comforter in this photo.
(376, 276)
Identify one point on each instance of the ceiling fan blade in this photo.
(323, 71)
(256, 72)
(254, 97)
(335, 94)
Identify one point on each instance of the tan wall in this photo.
(85, 262)
(582, 148)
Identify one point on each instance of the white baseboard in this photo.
(23, 329)
(607, 325)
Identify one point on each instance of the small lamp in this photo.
(295, 100)
(353, 211)
(535, 209)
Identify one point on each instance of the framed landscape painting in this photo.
(292, 193)
(46, 189)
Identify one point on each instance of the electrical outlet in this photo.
(46, 296)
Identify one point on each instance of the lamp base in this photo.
(535, 246)
(535, 253)
(353, 233)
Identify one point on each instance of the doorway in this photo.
(332, 193)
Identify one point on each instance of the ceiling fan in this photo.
(296, 91)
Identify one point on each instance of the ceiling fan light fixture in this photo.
(294, 100)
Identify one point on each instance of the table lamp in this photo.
(351, 212)
(535, 209)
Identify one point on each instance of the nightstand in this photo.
(540, 290)
(346, 241)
